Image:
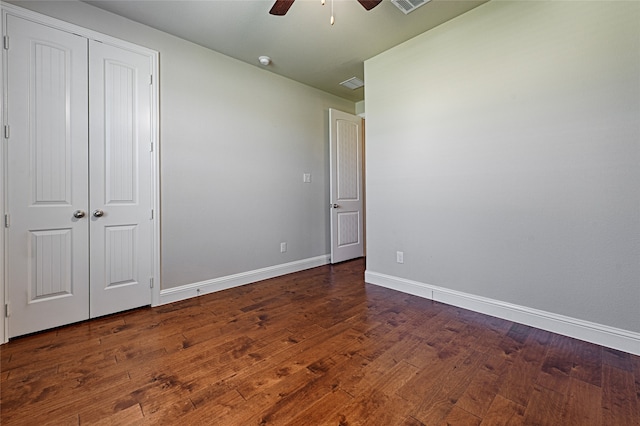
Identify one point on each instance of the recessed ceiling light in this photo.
(353, 83)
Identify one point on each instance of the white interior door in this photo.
(347, 213)
(120, 179)
(47, 149)
(80, 178)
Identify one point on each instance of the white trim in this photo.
(3, 117)
(155, 176)
(616, 338)
(9, 9)
(187, 291)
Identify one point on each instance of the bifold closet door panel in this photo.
(47, 173)
(120, 179)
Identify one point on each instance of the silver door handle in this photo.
(98, 213)
(334, 206)
(79, 214)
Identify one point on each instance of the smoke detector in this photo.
(264, 60)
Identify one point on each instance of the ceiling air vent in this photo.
(353, 83)
(408, 5)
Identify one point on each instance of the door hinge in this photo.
(6, 131)
(150, 79)
(7, 313)
(7, 220)
(5, 42)
(150, 146)
(151, 216)
(151, 282)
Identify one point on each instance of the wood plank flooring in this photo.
(318, 347)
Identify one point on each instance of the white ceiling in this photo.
(302, 44)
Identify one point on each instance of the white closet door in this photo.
(47, 256)
(120, 180)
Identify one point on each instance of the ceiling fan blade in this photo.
(281, 7)
(369, 4)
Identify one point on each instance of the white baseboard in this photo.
(187, 291)
(604, 335)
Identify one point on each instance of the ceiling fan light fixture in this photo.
(264, 60)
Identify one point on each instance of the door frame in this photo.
(9, 9)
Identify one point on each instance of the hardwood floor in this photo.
(313, 348)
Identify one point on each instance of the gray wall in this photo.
(235, 141)
(503, 158)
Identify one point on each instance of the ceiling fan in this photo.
(281, 7)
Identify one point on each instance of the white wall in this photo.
(235, 141)
(503, 159)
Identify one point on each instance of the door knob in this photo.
(98, 213)
(78, 214)
(334, 206)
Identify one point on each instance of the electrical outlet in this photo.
(283, 247)
(306, 177)
(400, 256)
